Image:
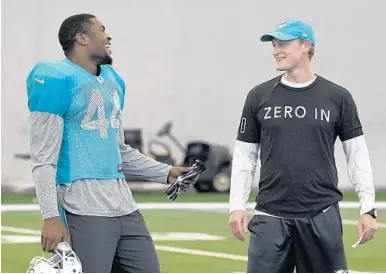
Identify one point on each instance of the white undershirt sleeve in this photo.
(360, 171)
(245, 156)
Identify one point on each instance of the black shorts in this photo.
(305, 244)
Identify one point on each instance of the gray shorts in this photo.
(113, 244)
(306, 244)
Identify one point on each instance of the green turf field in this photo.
(221, 254)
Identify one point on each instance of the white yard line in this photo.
(178, 206)
(352, 222)
(157, 236)
(212, 207)
(20, 230)
(201, 253)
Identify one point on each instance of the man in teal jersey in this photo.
(80, 160)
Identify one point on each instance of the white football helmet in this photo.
(64, 260)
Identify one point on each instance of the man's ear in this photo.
(82, 39)
(307, 45)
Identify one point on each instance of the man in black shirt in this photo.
(293, 120)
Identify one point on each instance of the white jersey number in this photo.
(97, 106)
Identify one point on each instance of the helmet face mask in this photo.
(64, 260)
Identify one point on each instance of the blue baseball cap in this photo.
(291, 29)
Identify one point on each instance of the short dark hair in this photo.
(70, 27)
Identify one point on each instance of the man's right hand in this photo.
(238, 222)
(53, 232)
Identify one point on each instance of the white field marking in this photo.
(351, 222)
(201, 253)
(28, 239)
(178, 206)
(157, 236)
(215, 207)
(184, 236)
(20, 230)
(19, 239)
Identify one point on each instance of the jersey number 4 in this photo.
(97, 105)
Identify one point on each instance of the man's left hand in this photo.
(367, 225)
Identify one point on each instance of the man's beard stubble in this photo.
(99, 60)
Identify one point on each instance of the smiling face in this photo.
(98, 43)
(290, 54)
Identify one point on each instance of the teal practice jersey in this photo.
(91, 107)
